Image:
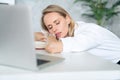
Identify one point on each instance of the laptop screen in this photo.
(16, 36)
(17, 46)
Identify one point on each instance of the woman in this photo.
(69, 36)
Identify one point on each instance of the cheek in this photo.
(50, 31)
(64, 30)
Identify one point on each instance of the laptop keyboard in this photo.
(40, 61)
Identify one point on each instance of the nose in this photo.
(54, 29)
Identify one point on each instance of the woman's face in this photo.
(57, 24)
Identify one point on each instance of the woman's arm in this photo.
(86, 36)
(53, 45)
(39, 36)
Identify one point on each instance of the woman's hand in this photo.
(53, 45)
(39, 36)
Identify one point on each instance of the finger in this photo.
(52, 38)
(43, 39)
(49, 49)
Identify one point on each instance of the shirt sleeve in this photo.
(82, 41)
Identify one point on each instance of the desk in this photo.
(80, 65)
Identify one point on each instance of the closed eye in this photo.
(58, 22)
(49, 27)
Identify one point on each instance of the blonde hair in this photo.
(62, 12)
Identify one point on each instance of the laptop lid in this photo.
(16, 30)
(17, 46)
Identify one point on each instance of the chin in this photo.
(63, 36)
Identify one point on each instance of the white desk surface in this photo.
(76, 66)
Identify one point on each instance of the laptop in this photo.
(17, 45)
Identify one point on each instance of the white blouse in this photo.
(94, 39)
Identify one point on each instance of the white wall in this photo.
(75, 11)
(11, 2)
(39, 5)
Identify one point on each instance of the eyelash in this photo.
(50, 27)
(58, 23)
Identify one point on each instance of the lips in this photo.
(58, 34)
